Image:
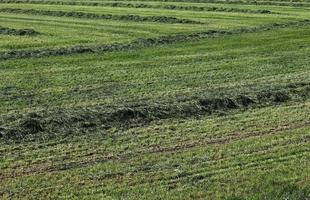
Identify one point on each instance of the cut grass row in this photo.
(72, 31)
(142, 5)
(182, 14)
(168, 154)
(38, 125)
(193, 68)
(218, 114)
(137, 18)
(19, 32)
(75, 31)
(285, 3)
(193, 95)
(143, 43)
(240, 2)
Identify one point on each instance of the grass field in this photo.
(162, 99)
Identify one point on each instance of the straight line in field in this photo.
(143, 5)
(137, 18)
(144, 43)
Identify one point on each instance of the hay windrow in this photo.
(18, 32)
(242, 2)
(295, 3)
(245, 2)
(137, 18)
(142, 5)
(144, 42)
(63, 122)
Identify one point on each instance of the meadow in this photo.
(161, 99)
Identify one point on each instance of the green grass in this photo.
(251, 154)
(81, 31)
(75, 31)
(237, 63)
(137, 123)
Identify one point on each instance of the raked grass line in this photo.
(241, 2)
(124, 112)
(282, 3)
(130, 109)
(201, 168)
(143, 43)
(142, 5)
(202, 17)
(184, 70)
(19, 32)
(137, 18)
(57, 123)
(72, 31)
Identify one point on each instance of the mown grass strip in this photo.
(49, 123)
(242, 2)
(143, 43)
(138, 18)
(18, 32)
(142, 5)
(99, 157)
(104, 160)
(249, 2)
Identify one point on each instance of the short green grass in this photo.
(252, 152)
(232, 63)
(76, 31)
(257, 154)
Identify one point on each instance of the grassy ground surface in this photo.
(143, 107)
